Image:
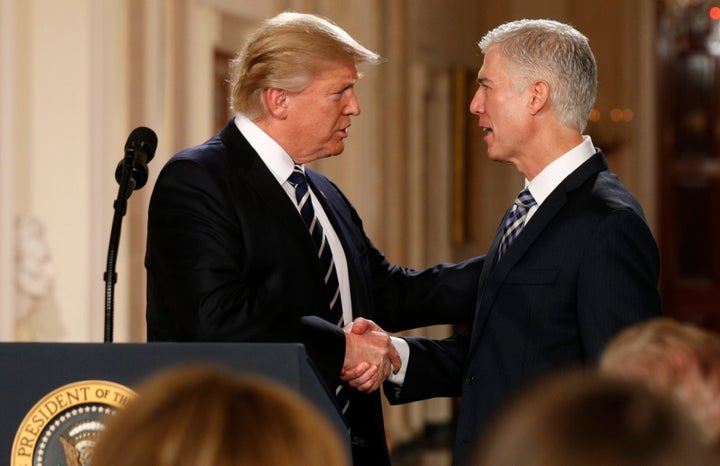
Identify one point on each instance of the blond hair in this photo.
(676, 358)
(285, 52)
(587, 419)
(200, 416)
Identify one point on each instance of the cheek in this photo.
(318, 118)
(505, 113)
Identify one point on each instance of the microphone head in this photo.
(142, 139)
(138, 177)
(139, 150)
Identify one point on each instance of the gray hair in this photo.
(556, 53)
(286, 51)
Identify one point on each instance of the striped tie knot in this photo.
(515, 220)
(525, 199)
(298, 180)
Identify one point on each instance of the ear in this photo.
(539, 96)
(275, 101)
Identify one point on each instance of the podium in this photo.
(44, 385)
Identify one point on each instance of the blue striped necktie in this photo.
(327, 264)
(515, 220)
(302, 194)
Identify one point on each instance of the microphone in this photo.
(139, 150)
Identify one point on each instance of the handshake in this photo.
(370, 355)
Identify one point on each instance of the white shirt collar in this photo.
(547, 180)
(272, 154)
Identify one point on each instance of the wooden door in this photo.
(689, 145)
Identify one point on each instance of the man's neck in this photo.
(549, 147)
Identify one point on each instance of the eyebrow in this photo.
(339, 89)
(482, 80)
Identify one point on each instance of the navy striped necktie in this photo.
(327, 263)
(302, 194)
(515, 221)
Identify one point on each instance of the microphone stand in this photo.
(125, 189)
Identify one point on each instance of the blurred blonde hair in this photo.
(679, 359)
(201, 416)
(587, 419)
(285, 52)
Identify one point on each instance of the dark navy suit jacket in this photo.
(585, 266)
(230, 259)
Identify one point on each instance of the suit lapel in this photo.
(250, 168)
(494, 273)
(340, 214)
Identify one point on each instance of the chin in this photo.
(492, 156)
(337, 150)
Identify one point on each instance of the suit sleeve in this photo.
(617, 280)
(197, 285)
(435, 369)
(400, 298)
(442, 294)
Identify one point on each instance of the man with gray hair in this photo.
(247, 244)
(573, 261)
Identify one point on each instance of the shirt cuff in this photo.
(403, 349)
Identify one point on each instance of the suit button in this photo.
(470, 379)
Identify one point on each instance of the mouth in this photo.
(486, 129)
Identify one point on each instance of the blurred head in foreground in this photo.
(674, 358)
(588, 419)
(200, 416)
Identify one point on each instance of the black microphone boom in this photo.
(139, 150)
(131, 173)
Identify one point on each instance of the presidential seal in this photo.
(62, 428)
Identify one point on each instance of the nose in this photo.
(353, 104)
(477, 103)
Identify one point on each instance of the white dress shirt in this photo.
(551, 176)
(281, 165)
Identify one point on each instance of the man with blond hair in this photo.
(245, 243)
